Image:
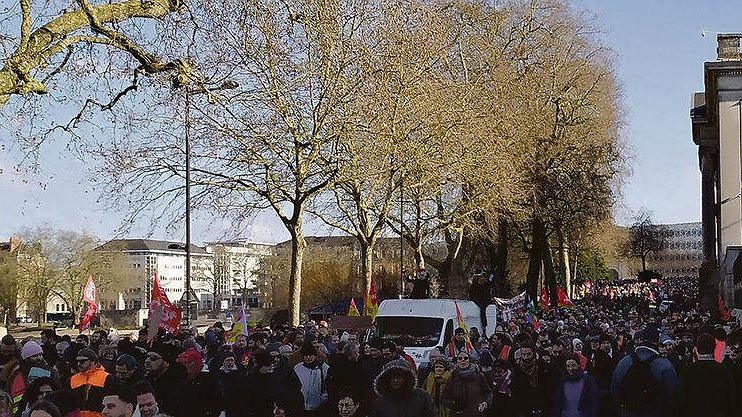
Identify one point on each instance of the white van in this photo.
(422, 325)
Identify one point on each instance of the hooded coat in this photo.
(409, 401)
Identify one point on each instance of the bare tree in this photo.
(40, 40)
(645, 238)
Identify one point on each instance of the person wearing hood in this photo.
(577, 351)
(312, 375)
(467, 392)
(398, 395)
(233, 381)
(577, 393)
(436, 381)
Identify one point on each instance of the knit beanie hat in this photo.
(29, 349)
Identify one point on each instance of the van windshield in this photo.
(410, 331)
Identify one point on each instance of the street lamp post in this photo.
(188, 203)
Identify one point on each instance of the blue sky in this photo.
(660, 55)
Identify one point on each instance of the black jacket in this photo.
(706, 389)
(166, 388)
(200, 397)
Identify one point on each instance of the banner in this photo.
(543, 300)
(239, 327)
(371, 306)
(162, 313)
(562, 299)
(461, 324)
(88, 296)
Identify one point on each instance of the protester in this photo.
(200, 394)
(467, 392)
(87, 387)
(644, 383)
(165, 375)
(436, 381)
(38, 389)
(577, 393)
(533, 384)
(146, 400)
(706, 387)
(398, 395)
(349, 404)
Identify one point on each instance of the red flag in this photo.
(371, 305)
(88, 296)
(562, 299)
(544, 299)
(724, 312)
(162, 313)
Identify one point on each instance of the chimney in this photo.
(15, 242)
(727, 47)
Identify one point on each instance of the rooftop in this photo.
(148, 245)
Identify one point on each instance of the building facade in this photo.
(168, 260)
(236, 264)
(683, 252)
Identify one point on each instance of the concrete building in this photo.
(167, 259)
(235, 266)
(716, 117)
(683, 252)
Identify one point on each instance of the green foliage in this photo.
(591, 267)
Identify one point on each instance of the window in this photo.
(410, 331)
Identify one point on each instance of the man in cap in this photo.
(88, 386)
(165, 375)
(458, 345)
(312, 374)
(200, 394)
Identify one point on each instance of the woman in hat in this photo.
(577, 393)
(436, 382)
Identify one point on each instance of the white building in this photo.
(235, 266)
(167, 259)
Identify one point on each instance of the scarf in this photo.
(434, 385)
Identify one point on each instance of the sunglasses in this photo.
(462, 358)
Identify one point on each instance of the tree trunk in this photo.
(367, 250)
(298, 244)
(550, 276)
(564, 254)
(502, 285)
(535, 255)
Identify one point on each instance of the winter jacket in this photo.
(706, 389)
(87, 390)
(663, 374)
(200, 397)
(234, 385)
(528, 397)
(345, 373)
(465, 391)
(409, 401)
(313, 384)
(280, 386)
(166, 388)
(588, 400)
(434, 385)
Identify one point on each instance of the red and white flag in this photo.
(162, 313)
(88, 296)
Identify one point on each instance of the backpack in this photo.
(638, 392)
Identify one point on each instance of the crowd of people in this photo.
(617, 353)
